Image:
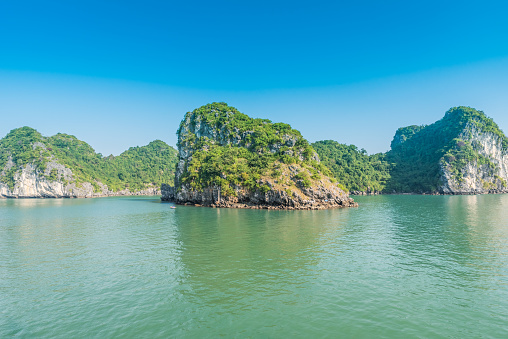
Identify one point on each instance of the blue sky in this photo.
(122, 73)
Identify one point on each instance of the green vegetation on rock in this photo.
(352, 167)
(135, 169)
(417, 160)
(241, 130)
(229, 149)
(405, 133)
(419, 156)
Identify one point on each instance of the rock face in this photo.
(313, 198)
(291, 187)
(30, 183)
(487, 173)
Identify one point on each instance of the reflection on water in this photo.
(231, 256)
(397, 266)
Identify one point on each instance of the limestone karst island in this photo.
(61, 166)
(227, 159)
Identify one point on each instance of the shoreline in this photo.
(306, 207)
(436, 193)
(2, 197)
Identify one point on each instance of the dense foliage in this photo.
(138, 166)
(255, 134)
(417, 155)
(352, 167)
(416, 161)
(413, 165)
(405, 133)
(134, 169)
(243, 151)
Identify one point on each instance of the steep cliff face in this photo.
(485, 172)
(463, 153)
(31, 183)
(227, 159)
(33, 166)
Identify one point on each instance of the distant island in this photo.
(34, 166)
(228, 159)
(463, 153)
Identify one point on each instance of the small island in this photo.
(228, 159)
(463, 153)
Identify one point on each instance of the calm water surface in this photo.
(396, 267)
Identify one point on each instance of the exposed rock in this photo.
(367, 192)
(476, 177)
(10, 164)
(168, 192)
(318, 198)
(30, 183)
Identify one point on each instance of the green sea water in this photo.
(396, 267)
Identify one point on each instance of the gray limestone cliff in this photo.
(29, 182)
(487, 172)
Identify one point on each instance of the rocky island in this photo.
(463, 153)
(228, 159)
(61, 166)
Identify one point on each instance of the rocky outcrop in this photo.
(31, 183)
(486, 173)
(194, 128)
(197, 134)
(367, 192)
(167, 192)
(313, 198)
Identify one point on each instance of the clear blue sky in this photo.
(122, 73)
